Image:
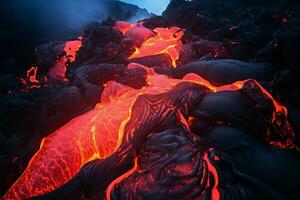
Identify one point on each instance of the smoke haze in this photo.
(55, 19)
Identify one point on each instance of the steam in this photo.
(56, 19)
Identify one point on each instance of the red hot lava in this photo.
(98, 133)
(123, 27)
(31, 80)
(32, 73)
(165, 41)
(58, 70)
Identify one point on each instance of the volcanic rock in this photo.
(224, 71)
(153, 60)
(238, 145)
(202, 48)
(215, 107)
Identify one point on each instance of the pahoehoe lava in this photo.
(201, 102)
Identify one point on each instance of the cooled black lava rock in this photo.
(222, 72)
(246, 26)
(200, 48)
(153, 60)
(251, 157)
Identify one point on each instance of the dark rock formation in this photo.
(223, 71)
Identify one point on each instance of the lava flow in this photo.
(123, 27)
(165, 41)
(96, 134)
(32, 73)
(31, 81)
(58, 70)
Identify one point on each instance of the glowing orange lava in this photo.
(120, 179)
(215, 194)
(32, 73)
(58, 70)
(123, 27)
(165, 41)
(95, 134)
(31, 81)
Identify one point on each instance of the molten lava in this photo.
(31, 81)
(32, 73)
(165, 41)
(215, 192)
(123, 27)
(59, 69)
(96, 134)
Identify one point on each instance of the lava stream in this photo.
(95, 134)
(165, 41)
(32, 73)
(98, 133)
(58, 70)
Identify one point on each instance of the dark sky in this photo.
(155, 6)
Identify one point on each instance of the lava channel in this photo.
(165, 41)
(95, 134)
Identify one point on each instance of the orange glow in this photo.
(58, 70)
(93, 134)
(119, 179)
(123, 27)
(166, 41)
(32, 73)
(215, 193)
(278, 108)
(71, 48)
(96, 134)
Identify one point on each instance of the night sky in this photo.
(154, 6)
